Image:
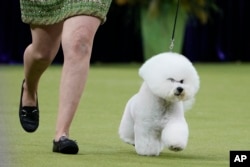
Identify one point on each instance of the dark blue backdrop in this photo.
(224, 38)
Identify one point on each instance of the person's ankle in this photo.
(57, 137)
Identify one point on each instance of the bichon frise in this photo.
(154, 117)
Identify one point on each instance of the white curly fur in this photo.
(154, 117)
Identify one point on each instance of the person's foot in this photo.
(28, 115)
(65, 146)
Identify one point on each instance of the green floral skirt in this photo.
(47, 12)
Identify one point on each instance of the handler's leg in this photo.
(37, 57)
(77, 40)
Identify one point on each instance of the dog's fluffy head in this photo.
(170, 76)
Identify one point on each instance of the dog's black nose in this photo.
(179, 89)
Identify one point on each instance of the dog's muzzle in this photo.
(178, 91)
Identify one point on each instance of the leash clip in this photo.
(171, 45)
(172, 39)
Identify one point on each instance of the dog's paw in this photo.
(176, 145)
(148, 149)
(175, 148)
(147, 152)
(128, 141)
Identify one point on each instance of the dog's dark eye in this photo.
(171, 79)
(182, 81)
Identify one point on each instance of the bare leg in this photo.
(77, 40)
(37, 57)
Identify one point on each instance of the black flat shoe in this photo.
(65, 146)
(28, 115)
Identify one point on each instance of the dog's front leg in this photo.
(147, 141)
(175, 134)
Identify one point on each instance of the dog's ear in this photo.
(142, 71)
(146, 70)
(154, 73)
(152, 66)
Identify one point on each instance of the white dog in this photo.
(154, 117)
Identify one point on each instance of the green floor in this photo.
(219, 121)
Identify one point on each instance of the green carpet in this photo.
(218, 122)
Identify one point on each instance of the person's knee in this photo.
(43, 53)
(77, 43)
